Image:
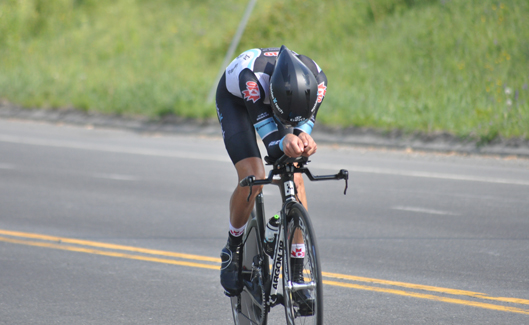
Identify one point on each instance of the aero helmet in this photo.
(293, 89)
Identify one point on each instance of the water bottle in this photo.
(272, 228)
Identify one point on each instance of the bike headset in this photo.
(293, 90)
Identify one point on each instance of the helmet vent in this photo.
(307, 95)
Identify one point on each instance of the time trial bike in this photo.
(262, 275)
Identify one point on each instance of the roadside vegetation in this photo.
(457, 66)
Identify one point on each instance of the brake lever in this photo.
(249, 195)
(345, 175)
(248, 181)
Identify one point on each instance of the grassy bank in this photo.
(444, 65)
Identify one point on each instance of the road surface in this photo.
(114, 227)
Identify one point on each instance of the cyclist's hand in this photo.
(293, 146)
(309, 146)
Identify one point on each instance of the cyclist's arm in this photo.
(261, 114)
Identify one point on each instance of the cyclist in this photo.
(277, 93)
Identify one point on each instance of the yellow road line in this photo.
(108, 253)
(429, 297)
(455, 292)
(109, 246)
(58, 243)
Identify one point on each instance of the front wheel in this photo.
(302, 283)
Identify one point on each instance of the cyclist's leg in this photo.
(240, 141)
(240, 206)
(302, 197)
(241, 144)
(300, 187)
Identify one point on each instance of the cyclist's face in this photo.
(286, 126)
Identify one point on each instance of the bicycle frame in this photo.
(285, 167)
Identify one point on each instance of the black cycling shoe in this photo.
(302, 298)
(230, 270)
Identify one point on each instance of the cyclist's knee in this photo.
(242, 198)
(250, 166)
(256, 189)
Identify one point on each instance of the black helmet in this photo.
(293, 89)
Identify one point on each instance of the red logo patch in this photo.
(322, 90)
(252, 91)
(271, 53)
(298, 253)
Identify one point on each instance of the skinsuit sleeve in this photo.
(261, 114)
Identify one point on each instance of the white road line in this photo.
(423, 210)
(224, 158)
(6, 166)
(456, 177)
(111, 148)
(117, 177)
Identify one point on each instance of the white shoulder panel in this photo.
(243, 61)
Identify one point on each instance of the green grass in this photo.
(458, 66)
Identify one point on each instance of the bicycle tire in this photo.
(249, 307)
(298, 218)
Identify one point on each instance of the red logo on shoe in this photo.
(322, 90)
(252, 93)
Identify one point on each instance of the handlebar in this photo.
(247, 181)
(284, 165)
(284, 159)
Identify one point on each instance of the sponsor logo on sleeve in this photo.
(232, 69)
(258, 128)
(322, 90)
(263, 116)
(252, 91)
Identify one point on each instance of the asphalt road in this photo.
(113, 227)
